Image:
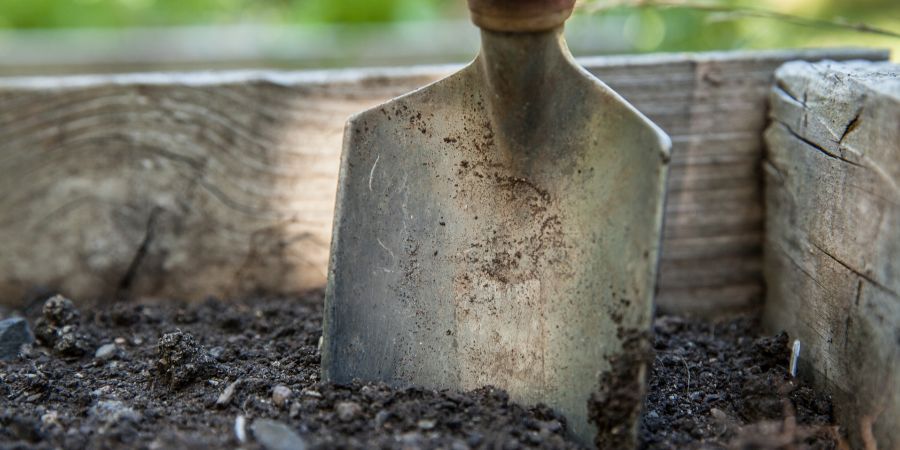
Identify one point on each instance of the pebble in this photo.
(240, 429)
(294, 411)
(14, 333)
(346, 411)
(113, 411)
(227, 394)
(106, 351)
(274, 435)
(382, 417)
(718, 414)
(411, 439)
(426, 424)
(313, 394)
(280, 395)
(217, 353)
(50, 418)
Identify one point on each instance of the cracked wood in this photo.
(832, 251)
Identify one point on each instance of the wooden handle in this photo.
(520, 15)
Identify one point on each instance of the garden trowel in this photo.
(501, 227)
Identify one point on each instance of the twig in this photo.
(596, 6)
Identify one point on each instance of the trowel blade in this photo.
(478, 242)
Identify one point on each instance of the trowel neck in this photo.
(516, 67)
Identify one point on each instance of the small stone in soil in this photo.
(181, 360)
(240, 429)
(280, 395)
(274, 435)
(346, 411)
(113, 411)
(14, 333)
(106, 351)
(227, 394)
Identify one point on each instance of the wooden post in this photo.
(832, 250)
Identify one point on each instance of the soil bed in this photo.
(182, 375)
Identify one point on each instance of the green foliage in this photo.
(132, 13)
(648, 28)
(696, 25)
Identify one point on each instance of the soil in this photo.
(166, 374)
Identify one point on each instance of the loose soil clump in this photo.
(244, 374)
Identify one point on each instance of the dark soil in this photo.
(716, 385)
(181, 375)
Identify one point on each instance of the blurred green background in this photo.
(336, 32)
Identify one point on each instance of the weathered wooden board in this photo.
(223, 184)
(832, 246)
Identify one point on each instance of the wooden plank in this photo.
(190, 185)
(832, 247)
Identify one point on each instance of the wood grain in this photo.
(832, 247)
(188, 185)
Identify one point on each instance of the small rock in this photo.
(240, 429)
(14, 333)
(718, 414)
(113, 411)
(346, 411)
(119, 341)
(426, 424)
(412, 439)
(50, 418)
(274, 435)
(181, 359)
(106, 351)
(313, 394)
(227, 394)
(280, 395)
(382, 417)
(101, 391)
(217, 353)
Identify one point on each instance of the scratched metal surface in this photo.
(500, 226)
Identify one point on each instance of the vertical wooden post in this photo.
(832, 247)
